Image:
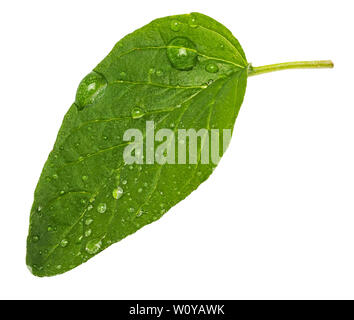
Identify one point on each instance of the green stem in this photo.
(253, 71)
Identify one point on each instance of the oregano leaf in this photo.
(179, 72)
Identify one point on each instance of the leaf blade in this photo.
(74, 192)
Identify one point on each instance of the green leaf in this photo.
(178, 72)
(87, 198)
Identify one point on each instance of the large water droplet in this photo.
(117, 193)
(90, 89)
(93, 246)
(182, 54)
(137, 112)
(101, 208)
(212, 67)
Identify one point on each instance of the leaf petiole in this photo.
(253, 71)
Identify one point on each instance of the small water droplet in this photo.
(93, 246)
(88, 232)
(88, 221)
(124, 181)
(117, 193)
(159, 73)
(175, 25)
(62, 192)
(89, 207)
(49, 228)
(55, 176)
(192, 21)
(182, 54)
(140, 213)
(131, 209)
(90, 89)
(101, 208)
(64, 243)
(35, 238)
(58, 266)
(137, 112)
(140, 190)
(122, 74)
(212, 67)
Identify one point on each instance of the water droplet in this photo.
(131, 209)
(35, 238)
(84, 178)
(88, 232)
(175, 25)
(124, 181)
(58, 266)
(139, 190)
(49, 228)
(62, 192)
(88, 221)
(117, 193)
(64, 243)
(151, 71)
(90, 89)
(101, 208)
(93, 246)
(159, 73)
(137, 112)
(55, 176)
(212, 67)
(182, 54)
(89, 207)
(192, 22)
(122, 74)
(140, 213)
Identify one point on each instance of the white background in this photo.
(275, 220)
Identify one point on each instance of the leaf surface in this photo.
(179, 72)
